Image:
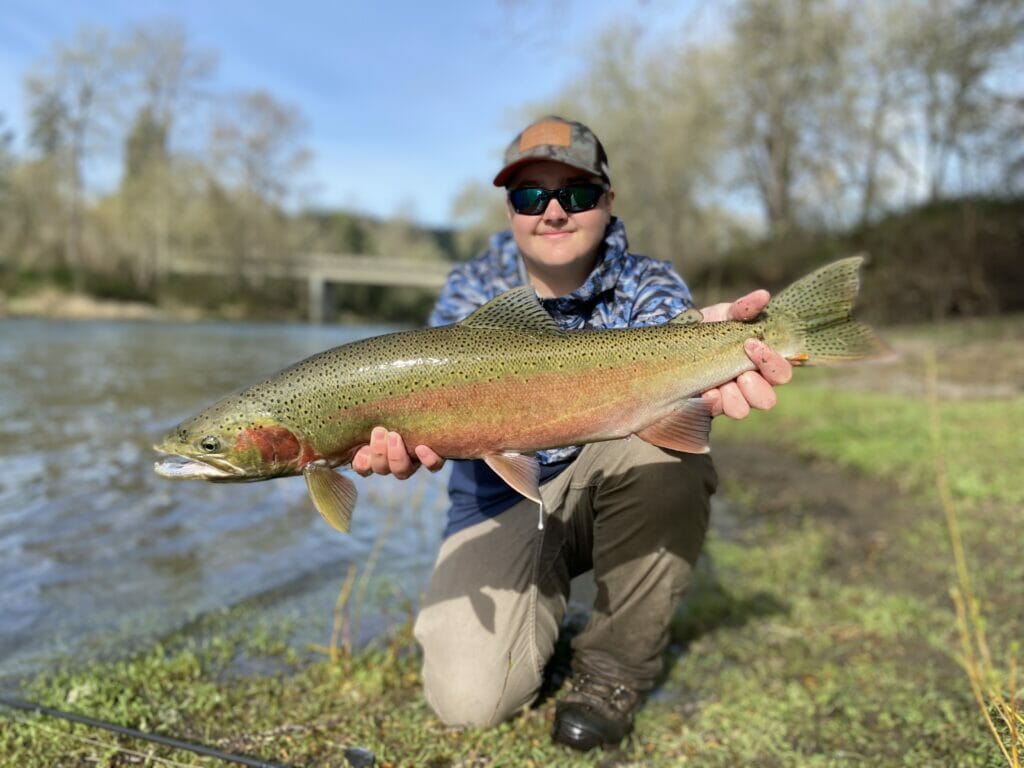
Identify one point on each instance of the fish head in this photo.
(228, 443)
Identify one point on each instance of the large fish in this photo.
(502, 384)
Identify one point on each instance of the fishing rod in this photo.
(187, 746)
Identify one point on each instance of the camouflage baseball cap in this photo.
(555, 138)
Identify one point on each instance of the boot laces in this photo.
(620, 697)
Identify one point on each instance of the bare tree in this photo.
(258, 156)
(659, 114)
(167, 81)
(72, 98)
(955, 59)
(787, 78)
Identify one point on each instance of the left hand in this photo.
(751, 389)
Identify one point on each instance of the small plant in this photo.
(1001, 710)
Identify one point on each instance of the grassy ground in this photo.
(819, 632)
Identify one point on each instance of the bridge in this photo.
(323, 271)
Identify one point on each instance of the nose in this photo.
(554, 212)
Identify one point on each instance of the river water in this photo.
(98, 555)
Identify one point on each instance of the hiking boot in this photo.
(594, 713)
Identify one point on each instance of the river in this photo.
(99, 556)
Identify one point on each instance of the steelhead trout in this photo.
(502, 384)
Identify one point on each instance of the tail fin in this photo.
(816, 311)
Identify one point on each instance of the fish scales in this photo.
(505, 382)
(439, 386)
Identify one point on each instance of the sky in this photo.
(406, 102)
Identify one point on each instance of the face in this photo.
(228, 445)
(559, 248)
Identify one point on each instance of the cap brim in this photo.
(509, 170)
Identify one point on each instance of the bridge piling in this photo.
(321, 298)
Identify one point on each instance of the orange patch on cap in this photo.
(552, 132)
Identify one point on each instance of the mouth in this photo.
(175, 467)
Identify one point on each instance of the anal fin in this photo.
(687, 428)
(521, 472)
(333, 495)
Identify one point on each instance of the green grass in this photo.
(887, 436)
(818, 632)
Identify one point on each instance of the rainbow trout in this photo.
(502, 384)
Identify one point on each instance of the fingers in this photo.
(713, 398)
(755, 391)
(386, 454)
(401, 464)
(734, 404)
(744, 308)
(748, 307)
(428, 458)
(716, 312)
(773, 367)
(752, 389)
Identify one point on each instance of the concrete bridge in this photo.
(322, 272)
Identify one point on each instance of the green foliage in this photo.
(887, 436)
(954, 258)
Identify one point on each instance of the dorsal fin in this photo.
(517, 309)
(688, 317)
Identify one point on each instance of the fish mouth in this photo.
(178, 467)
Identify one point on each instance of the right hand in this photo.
(386, 454)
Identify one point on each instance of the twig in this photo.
(339, 610)
(977, 659)
(371, 560)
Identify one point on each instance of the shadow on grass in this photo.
(707, 607)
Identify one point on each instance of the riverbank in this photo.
(55, 304)
(819, 630)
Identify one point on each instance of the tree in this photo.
(72, 101)
(8, 223)
(166, 81)
(6, 154)
(786, 70)
(660, 117)
(964, 58)
(258, 156)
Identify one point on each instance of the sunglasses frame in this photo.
(561, 194)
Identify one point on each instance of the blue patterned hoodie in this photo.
(624, 290)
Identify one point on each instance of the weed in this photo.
(986, 680)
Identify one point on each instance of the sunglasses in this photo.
(533, 201)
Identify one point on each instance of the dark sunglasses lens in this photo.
(529, 200)
(580, 197)
(532, 201)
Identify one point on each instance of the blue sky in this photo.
(406, 102)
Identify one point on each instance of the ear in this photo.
(509, 210)
(610, 195)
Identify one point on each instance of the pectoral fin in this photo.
(521, 472)
(333, 495)
(687, 428)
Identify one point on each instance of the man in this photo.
(634, 513)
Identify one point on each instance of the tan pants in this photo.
(632, 512)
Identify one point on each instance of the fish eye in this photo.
(209, 444)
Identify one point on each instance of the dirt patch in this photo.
(864, 516)
(52, 303)
(972, 360)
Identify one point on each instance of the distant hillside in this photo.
(953, 258)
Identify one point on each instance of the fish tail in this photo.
(811, 321)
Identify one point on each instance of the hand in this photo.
(752, 389)
(386, 454)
